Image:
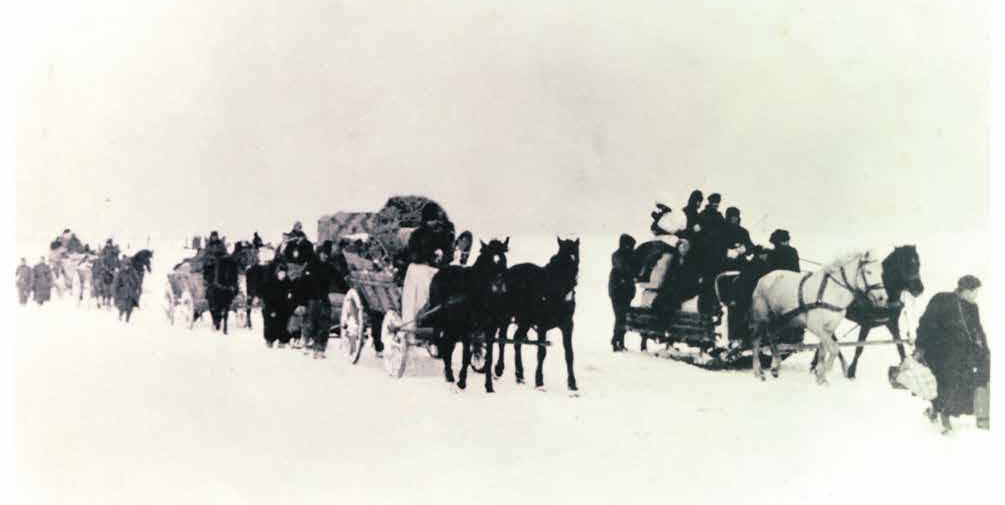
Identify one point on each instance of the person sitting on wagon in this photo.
(432, 243)
(463, 248)
(784, 256)
(735, 239)
(215, 247)
(743, 291)
(691, 211)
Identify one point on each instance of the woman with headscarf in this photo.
(951, 341)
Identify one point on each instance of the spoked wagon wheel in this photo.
(396, 344)
(353, 322)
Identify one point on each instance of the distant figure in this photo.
(952, 342)
(42, 281)
(256, 241)
(126, 289)
(197, 243)
(215, 247)
(783, 257)
(621, 287)
(25, 278)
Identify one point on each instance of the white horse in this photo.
(814, 301)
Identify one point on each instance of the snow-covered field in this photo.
(149, 413)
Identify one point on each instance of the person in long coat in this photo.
(951, 341)
(621, 287)
(126, 289)
(691, 210)
(276, 294)
(25, 278)
(42, 281)
(784, 256)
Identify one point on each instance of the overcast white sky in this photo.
(519, 116)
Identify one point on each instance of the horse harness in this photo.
(820, 303)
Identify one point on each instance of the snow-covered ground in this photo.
(150, 413)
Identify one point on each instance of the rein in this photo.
(843, 282)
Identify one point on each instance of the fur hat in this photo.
(714, 198)
(732, 212)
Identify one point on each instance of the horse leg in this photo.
(542, 352)
(500, 364)
(755, 341)
(894, 326)
(521, 334)
(448, 357)
(567, 345)
(489, 336)
(226, 315)
(776, 361)
(863, 333)
(462, 381)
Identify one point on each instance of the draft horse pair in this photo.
(858, 286)
(485, 299)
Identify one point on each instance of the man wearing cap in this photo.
(784, 256)
(736, 239)
(24, 281)
(952, 342)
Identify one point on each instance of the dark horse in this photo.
(545, 298)
(221, 277)
(141, 262)
(470, 299)
(901, 272)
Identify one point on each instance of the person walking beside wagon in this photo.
(951, 341)
(25, 279)
(621, 287)
(277, 306)
(319, 308)
(42, 281)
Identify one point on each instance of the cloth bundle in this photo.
(917, 378)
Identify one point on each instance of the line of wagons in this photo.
(372, 308)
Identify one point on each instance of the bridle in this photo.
(859, 274)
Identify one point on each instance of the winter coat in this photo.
(621, 282)
(427, 239)
(215, 248)
(750, 274)
(784, 257)
(734, 235)
(256, 242)
(25, 277)
(298, 251)
(42, 278)
(952, 342)
(126, 288)
(277, 297)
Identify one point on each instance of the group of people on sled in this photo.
(690, 248)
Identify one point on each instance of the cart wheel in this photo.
(184, 309)
(169, 305)
(353, 323)
(396, 345)
(478, 354)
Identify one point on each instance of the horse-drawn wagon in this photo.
(381, 303)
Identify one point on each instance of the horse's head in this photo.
(902, 270)
(142, 260)
(492, 262)
(568, 253)
(869, 278)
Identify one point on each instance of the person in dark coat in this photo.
(126, 289)
(42, 281)
(951, 341)
(432, 243)
(691, 210)
(298, 231)
(215, 247)
(25, 278)
(320, 306)
(743, 292)
(297, 251)
(340, 283)
(256, 241)
(621, 287)
(735, 238)
(276, 294)
(682, 281)
(784, 256)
